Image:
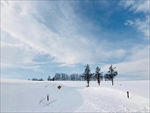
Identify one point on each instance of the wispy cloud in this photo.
(136, 6)
(137, 64)
(66, 45)
(53, 28)
(141, 24)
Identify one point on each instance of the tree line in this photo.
(98, 75)
(86, 76)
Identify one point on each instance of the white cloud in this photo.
(138, 53)
(16, 56)
(141, 24)
(24, 36)
(136, 6)
(136, 65)
(138, 69)
(67, 46)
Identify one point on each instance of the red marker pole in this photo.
(128, 94)
(47, 97)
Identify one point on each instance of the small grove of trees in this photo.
(66, 77)
(61, 76)
(35, 79)
(50, 79)
(75, 77)
(87, 76)
(98, 75)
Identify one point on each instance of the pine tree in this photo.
(87, 74)
(111, 74)
(98, 75)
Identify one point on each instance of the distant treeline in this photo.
(35, 79)
(86, 76)
(72, 77)
(66, 77)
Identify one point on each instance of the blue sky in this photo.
(41, 38)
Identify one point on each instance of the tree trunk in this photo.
(98, 82)
(112, 82)
(87, 83)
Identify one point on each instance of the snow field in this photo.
(74, 96)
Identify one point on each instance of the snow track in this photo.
(103, 99)
(28, 96)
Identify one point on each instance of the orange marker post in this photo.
(59, 87)
(128, 94)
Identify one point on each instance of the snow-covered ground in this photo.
(31, 96)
